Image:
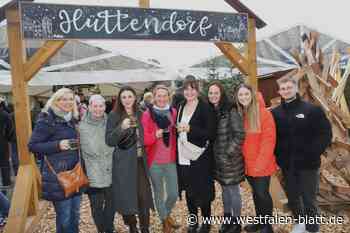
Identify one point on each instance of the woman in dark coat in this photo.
(130, 176)
(196, 126)
(229, 164)
(52, 137)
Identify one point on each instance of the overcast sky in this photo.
(330, 17)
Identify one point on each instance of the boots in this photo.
(172, 222)
(167, 227)
(192, 228)
(266, 229)
(225, 226)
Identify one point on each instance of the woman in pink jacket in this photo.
(258, 151)
(159, 123)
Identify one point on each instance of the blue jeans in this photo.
(4, 205)
(231, 197)
(67, 215)
(164, 181)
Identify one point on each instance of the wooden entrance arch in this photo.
(25, 211)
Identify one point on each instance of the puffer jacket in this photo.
(258, 147)
(97, 155)
(229, 165)
(49, 130)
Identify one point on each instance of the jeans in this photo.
(231, 197)
(261, 195)
(302, 187)
(4, 205)
(101, 208)
(164, 181)
(67, 214)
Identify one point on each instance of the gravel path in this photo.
(47, 224)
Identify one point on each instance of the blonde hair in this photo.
(251, 112)
(160, 87)
(52, 102)
(148, 97)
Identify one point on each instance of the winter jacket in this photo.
(49, 130)
(229, 165)
(125, 167)
(258, 147)
(303, 134)
(150, 140)
(7, 134)
(96, 154)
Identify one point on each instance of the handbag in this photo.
(128, 139)
(187, 149)
(72, 180)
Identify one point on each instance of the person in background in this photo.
(98, 163)
(147, 101)
(55, 138)
(7, 136)
(159, 123)
(130, 175)
(196, 133)
(258, 152)
(229, 165)
(303, 134)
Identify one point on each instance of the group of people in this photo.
(137, 159)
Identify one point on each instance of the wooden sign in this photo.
(52, 21)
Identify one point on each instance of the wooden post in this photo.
(252, 64)
(144, 3)
(19, 85)
(234, 56)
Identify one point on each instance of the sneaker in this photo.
(298, 228)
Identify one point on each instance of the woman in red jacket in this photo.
(258, 151)
(160, 140)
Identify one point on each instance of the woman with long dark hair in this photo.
(196, 132)
(130, 176)
(229, 165)
(258, 151)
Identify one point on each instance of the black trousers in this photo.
(261, 195)
(101, 208)
(193, 204)
(302, 187)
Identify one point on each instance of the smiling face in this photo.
(244, 96)
(161, 98)
(97, 109)
(66, 102)
(214, 95)
(190, 93)
(288, 90)
(127, 99)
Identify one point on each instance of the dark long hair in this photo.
(224, 103)
(119, 107)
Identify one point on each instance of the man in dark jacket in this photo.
(6, 135)
(303, 134)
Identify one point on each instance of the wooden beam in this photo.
(234, 56)
(20, 200)
(144, 3)
(252, 64)
(19, 85)
(35, 63)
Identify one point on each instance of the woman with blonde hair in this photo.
(55, 138)
(258, 151)
(159, 123)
